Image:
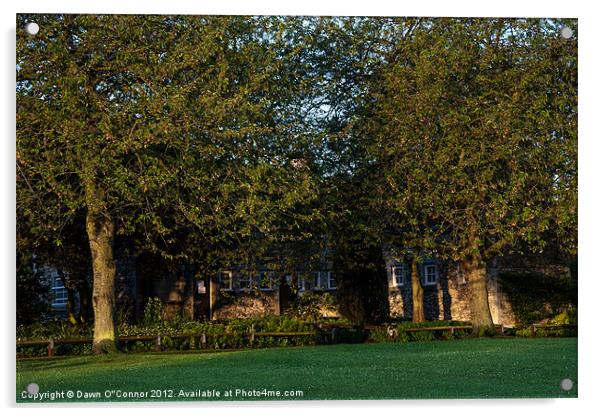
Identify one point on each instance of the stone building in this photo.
(239, 292)
(446, 295)
(236, 292)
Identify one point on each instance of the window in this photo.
(332, 284)
(226, 280)
(244, 282)
(59, 293)
(399, 275)
(317, 280)
(59, 296)
(301, 283)
(461, 279)
(201, 288)
(265, 280)
(430, 274)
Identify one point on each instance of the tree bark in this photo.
(213, 296)
(71, 306)
(101, 230)
(417, 294)
(476, 278)
(85, 312)
(188, 309)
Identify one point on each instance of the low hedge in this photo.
(398, 333)
(233, 334)
(567, 317)
(547, 332)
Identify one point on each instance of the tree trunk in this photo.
(71, 306)
(213, 296)
(417, 294)
(188, 311)
(476, 278)
(84, 301)
(101, 231)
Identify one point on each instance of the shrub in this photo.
(232, 334)
(380, 334)
(33, 294)
(404, 336)
(537, 296)
(567, 317)
(57, 329)
(421, 336)
(362, 288)
(153, 311)
(229, 335)
(352, 335)
(309, 307)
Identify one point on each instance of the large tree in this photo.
(156, 127)
(472, 127)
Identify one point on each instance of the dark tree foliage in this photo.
(33, 293)
(358, 263)
(536, 296)
(362, 287)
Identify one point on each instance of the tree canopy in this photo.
(218, 140)
(167, 127)
(470, 135)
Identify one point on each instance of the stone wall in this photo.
(246, 304)
(396, 303)
(177, 292)
(448, 299)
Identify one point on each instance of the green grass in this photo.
(471, 368)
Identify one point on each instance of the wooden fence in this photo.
(500, 329)
(331, 333)
(201, 338)
(533, 327)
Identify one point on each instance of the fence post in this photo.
(203, 340)
(533, 330)
(392, 333)
(451, 331)
(252, 335)
(333, 335)
(158, 343)
(51, 347)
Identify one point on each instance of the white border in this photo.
(462, 8)
(589, 185)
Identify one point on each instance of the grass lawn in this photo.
(471, 368)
